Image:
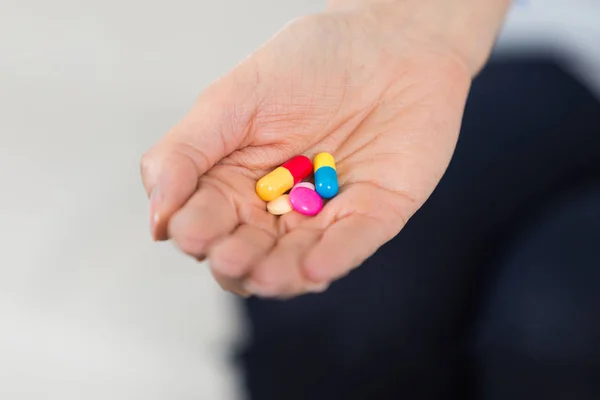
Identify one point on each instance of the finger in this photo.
(207, 216)
(279, 274)
(230, 285)
(369, 217)
(170, 181)
(234, 256)
(344, 246)
(214, 128)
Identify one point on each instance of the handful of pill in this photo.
(304, 197)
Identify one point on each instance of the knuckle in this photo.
(190, 243)
(228, 264)
(188, 239)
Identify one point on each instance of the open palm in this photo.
(388, 109)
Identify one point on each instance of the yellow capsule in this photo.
(274, 184)
(323, 160)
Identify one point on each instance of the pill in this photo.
(324, 160)
(280, 205)
(283, 178)
(306, 201)
(306, 185)
(326, 180)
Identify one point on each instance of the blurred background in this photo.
(90, 307)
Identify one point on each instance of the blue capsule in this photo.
(326, 182)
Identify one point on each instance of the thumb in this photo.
(216, 126)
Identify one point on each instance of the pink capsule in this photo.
(306, 201)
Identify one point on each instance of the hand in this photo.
(386, 103)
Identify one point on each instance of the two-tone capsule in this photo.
(283, 178)
(326, 180)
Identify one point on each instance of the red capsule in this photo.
(300, 167)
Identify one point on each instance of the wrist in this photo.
(463, 29)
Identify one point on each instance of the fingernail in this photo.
(317, 287)
(154, 215)
(250, 287)
(254, 289)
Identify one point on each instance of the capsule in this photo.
(283, 178)
(326, 180)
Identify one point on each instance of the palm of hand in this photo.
(391, 122)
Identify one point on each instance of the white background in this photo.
(90, 308)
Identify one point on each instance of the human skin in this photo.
(381, 85)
